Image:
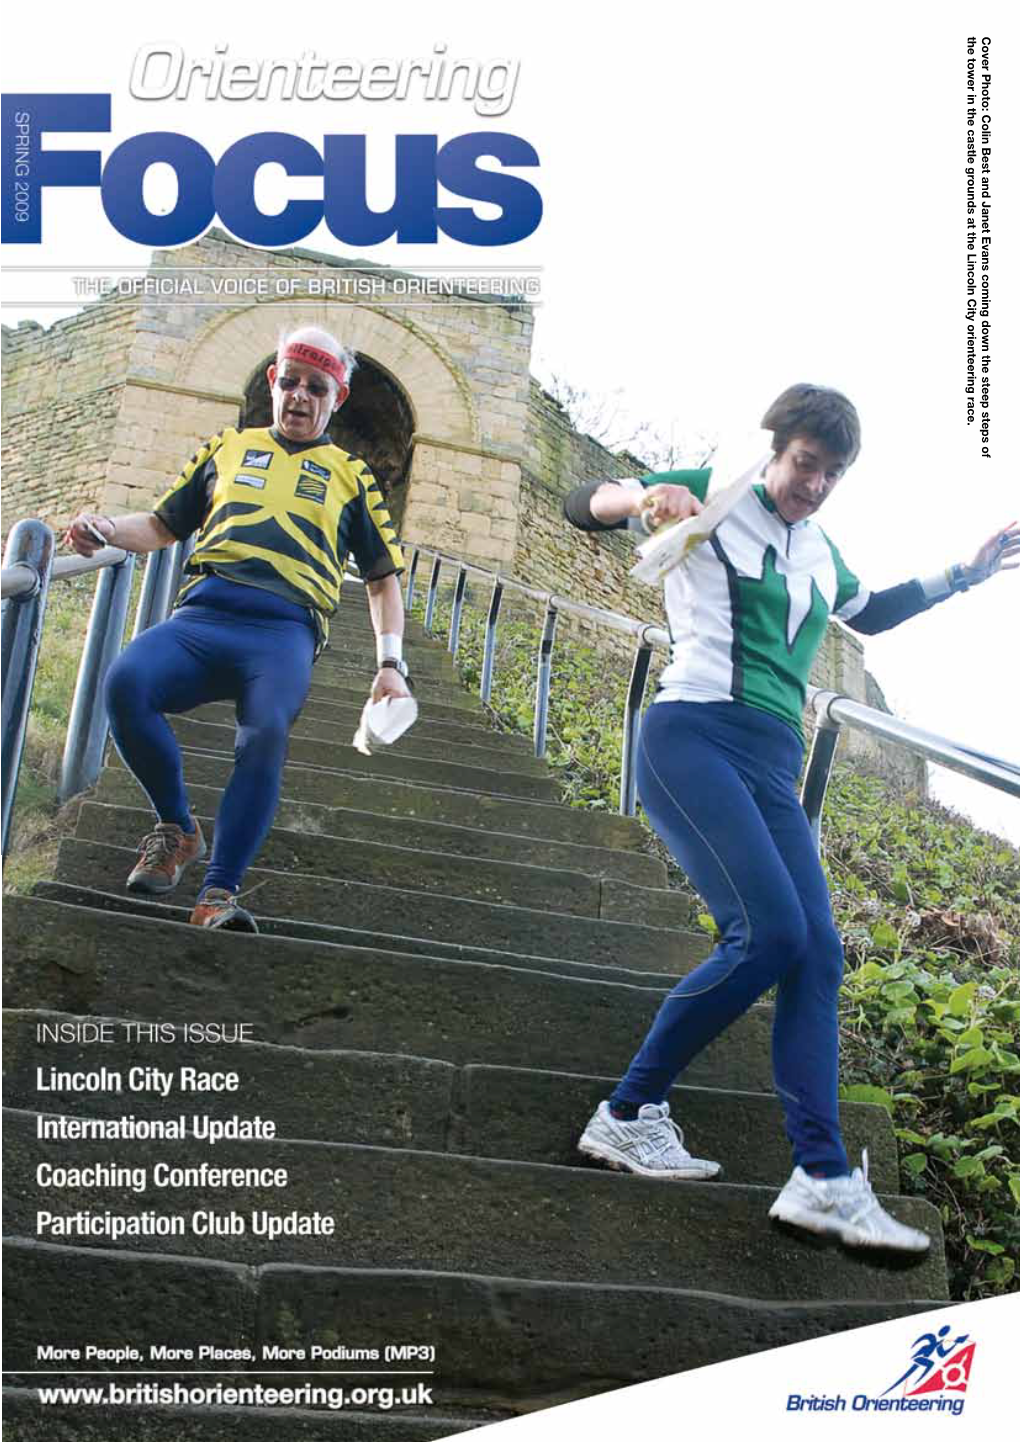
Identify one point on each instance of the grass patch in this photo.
(38, 821)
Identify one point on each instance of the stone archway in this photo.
(450, 489)
(222, 356)
(375, 423)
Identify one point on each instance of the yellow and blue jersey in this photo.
(280, 515)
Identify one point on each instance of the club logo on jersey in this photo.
(316, 470)
(257, 483)
(796, 581)
(310, 488)
(261, 460)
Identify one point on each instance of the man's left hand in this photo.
(388, 682)
(996, 554)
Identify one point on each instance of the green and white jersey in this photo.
(747, 611)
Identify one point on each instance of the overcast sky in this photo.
(743, 198)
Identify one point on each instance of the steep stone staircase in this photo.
(452, 970)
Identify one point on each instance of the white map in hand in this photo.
(383, 722)
(671, 546)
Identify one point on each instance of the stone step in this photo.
(494, 926)
(353, 607)
(351, 688)
(357, 668)
(348, 626)
(391, 763)
(312, 740)
(118, 788)
(431, 664)
(529, 1115)
(355, 620)
(27, 1420)
(344, 675)
(511, 1341)
(379, 863)
(391, 797)
(360, 641)
(123, 904)
(507, 1339)
(660, 906)
(326, 714)
(336, 686)
(371, 1098)
(316, 995)
(428, 1212)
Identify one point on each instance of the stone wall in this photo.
(551, 553)
(62, 393)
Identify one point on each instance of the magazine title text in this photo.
(163, 188)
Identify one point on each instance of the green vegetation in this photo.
(929, 910)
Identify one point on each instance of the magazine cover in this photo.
(511, 918)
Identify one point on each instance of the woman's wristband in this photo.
(945, 583)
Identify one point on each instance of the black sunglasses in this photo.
(291, 383)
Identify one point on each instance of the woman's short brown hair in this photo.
(825, 415)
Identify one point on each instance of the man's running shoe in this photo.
(652, 1146)
(217, 909)
(844, 1207)
(162, 857)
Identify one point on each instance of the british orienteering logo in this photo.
(935, 1380)
(925, 1377)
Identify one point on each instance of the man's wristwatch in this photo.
(395, 665)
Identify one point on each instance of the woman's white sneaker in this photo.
(652, 1146)
(844, 1207)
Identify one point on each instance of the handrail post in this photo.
(544, 676)
(412, 571)
(167, 590)
(31, 544)
(632, 726)
(489, 656)
(458, 606)
(819, 767)
(430, 600)
(180, 554)
(88, 724)
(152, 586)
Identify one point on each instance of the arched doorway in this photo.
(375, 423)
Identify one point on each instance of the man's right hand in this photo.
(664, 504)
(79, 534)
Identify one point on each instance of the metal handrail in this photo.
(29, 550)
(88, 724)
(614, 619)
(29, 570)
(832, 710)
(19, 579)
(30, 567)
(1004, 775)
